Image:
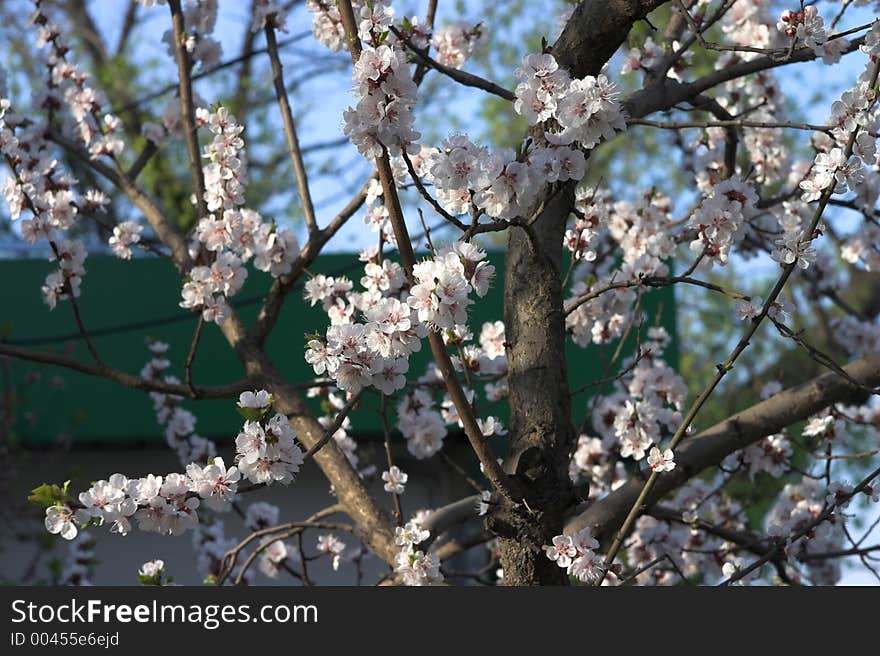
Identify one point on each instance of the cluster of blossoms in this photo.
(832, 171)
(225, 175)
(199, 20)
(602, 318)
(585, 110)
(376, 352)
(797, 507)
(720, 220)
(681, 547)
(749, 24)
(67, 88)
(421, 424)
(383, 118)
(456, 42)
(591, 463)
(39, 187)
(791, 523)
(807, 26)
(327, 23)
(771, 455)
(499, 184)
(641, 231)
(503, 185)
(650, 56)
(440, 296)
(464, 174)
(179, 423)
(65, 282)
(372, 334)
(266, 448)
(152, 573)
(266, 452)
(792, 248)
(358, 355)
(581, 239)
(630, 420)
(414, 566)
(168, 506)
(577, 555)
(647, 404)
(331, 547)
(232, 233)
(125, 235)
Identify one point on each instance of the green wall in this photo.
(124, 304)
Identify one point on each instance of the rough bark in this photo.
(541, 432)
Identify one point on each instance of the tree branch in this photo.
(711, 446)
(187, 107)
(135, 382)
(293, 147)
(491, 468)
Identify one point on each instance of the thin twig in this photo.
(187, 106)
(335, 426)
(293, 147)
(191, 356)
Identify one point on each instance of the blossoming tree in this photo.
(636, 486)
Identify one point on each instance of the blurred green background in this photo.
(125, 304)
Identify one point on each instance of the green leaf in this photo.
(48, 495)
(253, 414)
(155, 579)
(93, 521)
(308, 337)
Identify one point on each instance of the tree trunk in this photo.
(541, 432)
